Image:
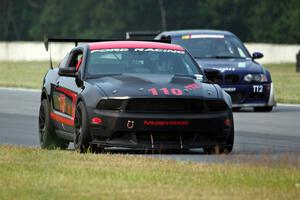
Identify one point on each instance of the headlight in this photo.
(255, 78)
(110, 104)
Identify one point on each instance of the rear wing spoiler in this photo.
(76, 41)
(71, 40)
(47, 41)
(140, 34)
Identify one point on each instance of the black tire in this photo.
(229, 143)
(82, 137)
(223, 149)
(263, 109)
(47, 136)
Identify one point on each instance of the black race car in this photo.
(134, 94)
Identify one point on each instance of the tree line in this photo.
(270, 21)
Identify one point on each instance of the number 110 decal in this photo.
(166, 91)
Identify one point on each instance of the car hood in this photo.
(242, 66)
(145, 85)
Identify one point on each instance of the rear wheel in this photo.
(47, 136)
(82, 137)
(263, 109)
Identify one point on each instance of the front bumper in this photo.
(161, 131)
(251, 95)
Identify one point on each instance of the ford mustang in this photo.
(133, 94)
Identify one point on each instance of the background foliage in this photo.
(274, 21)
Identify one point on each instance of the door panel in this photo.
(64, 94)
(64, 101)
(64, 97)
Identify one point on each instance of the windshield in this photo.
(140, 60)
(212, 46)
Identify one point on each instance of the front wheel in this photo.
(263, 109)
(47, 136)
(82, 137)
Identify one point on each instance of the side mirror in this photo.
(257, 55)
(213, 75)
(67, 71)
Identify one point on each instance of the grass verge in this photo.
(30, 75)
(286, 82)
(31, 173)
(23, 74)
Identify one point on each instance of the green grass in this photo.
(23, 74)
(32, 173)
(286, 81)
(30, 75)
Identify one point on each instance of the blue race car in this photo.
(248, 83)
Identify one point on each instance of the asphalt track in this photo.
(276, 133)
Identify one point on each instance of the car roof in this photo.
(195, 31)
(133, 44)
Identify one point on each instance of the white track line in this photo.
(288, 105)
(20, 89)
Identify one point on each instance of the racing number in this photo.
(166, 91)
(176, 91)
(258, 89)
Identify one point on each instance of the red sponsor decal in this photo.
(62, 103)
(63, 107)
(133, 44)
(71, 94)
(165, 123)
(69, 109)
(192, 86)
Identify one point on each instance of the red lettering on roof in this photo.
(134, 44)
